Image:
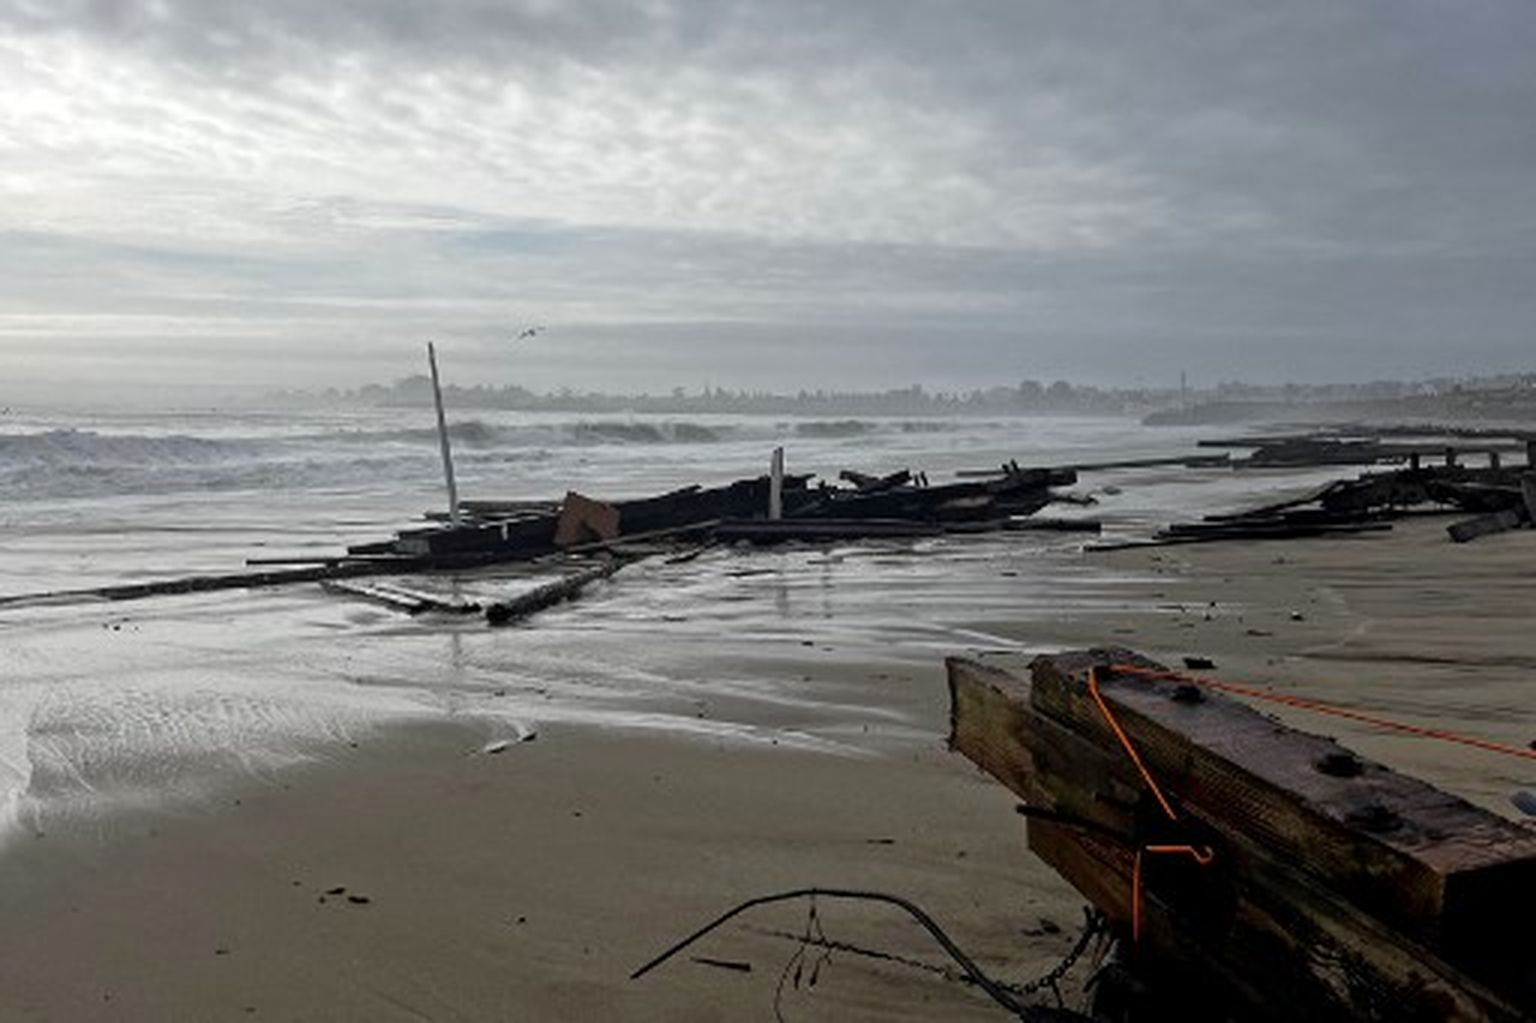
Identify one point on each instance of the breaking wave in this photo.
(90, 463)
(73, 447)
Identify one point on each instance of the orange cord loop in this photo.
(1204, 855)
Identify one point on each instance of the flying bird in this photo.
(529, 332)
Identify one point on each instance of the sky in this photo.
(771, 194)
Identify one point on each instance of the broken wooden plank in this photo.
(1487, 525)
(505, 612)
(583, 520)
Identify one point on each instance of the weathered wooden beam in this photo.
(1290, 920)
(505, 612)
(1487, 525)
(1399, 847)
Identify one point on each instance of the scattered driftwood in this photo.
(505, 612)
(1265, 873)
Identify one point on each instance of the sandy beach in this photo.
(528, 883)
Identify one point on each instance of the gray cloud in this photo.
(961, 191)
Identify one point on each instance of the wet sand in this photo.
(523, 885)
(527, 884)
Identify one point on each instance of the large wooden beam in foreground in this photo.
(1339, 889)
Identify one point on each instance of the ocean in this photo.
(106, 706)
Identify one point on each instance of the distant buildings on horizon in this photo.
(1026, 398)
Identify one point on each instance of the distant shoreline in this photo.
(1507, 398)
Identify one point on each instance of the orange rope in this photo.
(1303, 703)
(1202, 854)
(1125, 740)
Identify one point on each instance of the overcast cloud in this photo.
(785, 193)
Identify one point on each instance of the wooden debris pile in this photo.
(1370, 446)
(577, 527)
(1253, 871)
(900, 504)
(1502, 497)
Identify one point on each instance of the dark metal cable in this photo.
(1094, 925)
(994, 990)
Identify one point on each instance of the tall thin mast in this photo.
(442, 438)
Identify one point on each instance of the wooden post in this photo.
(1528, 491)
(442, 439)
(1493, 460)
(1530, 452)
(776, 484)
(1450, 458)
(1414, 461)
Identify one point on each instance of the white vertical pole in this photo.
(776, 484)
(442, 438)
